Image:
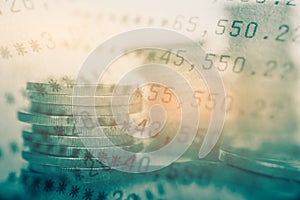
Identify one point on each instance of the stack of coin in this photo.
(263, 162)
(58, 141)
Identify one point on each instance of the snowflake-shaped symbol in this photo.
(10, 99)
(115, 161)
(54, 85)
(61, 187)
(40, 89)
(74, 191)
(102, 196)
(126, 126)
(68, 81)
(5, 53)
(59, 130)
(14, 148)
(35, 46)
(77, 174)
(20, 49)
(88, 194)
(49, 185)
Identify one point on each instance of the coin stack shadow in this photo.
(56, 143)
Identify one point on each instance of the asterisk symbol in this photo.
(49, 184)
(61, 187)
(20, 49)
(68, 81)
(40, 89)
(102, 196)
(35, 45)
(88, 194)
(74, 191)
(54, 85)
(5, 53)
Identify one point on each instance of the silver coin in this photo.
(75, 173)
(278, 169)
(86, 162)
(80, 121)
(55, 109)
(77, 141)
(83, 100)
(50, 181)
(57, 88)
(78, 152)
(76, 131)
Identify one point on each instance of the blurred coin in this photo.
(76, 131)
(80, 121)
(55, 109)
(78, 152)
(75, 173)
(265, 166)
(86, 162)
(83, 100)
(77, 141)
